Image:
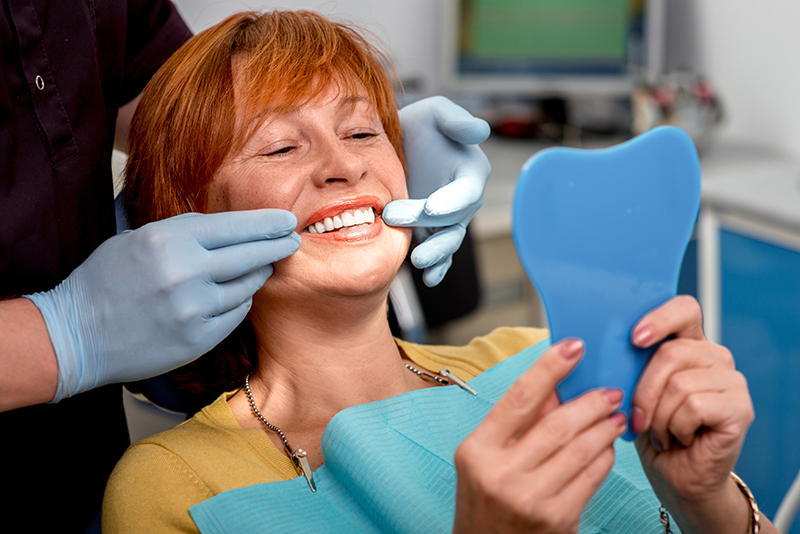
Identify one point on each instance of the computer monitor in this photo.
(551, 48)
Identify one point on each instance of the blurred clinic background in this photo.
(592, 73)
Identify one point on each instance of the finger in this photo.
(672, 357)
(550, 404)
(215, 230)
(573, 457)
(220, 326)
(438, 247)
(412, 212)
(645, 449)
(196, 301)
(405, 212)
(680, 387)
(558, 429)
(517, 410)
(458, 124)
(234, 293)
(680, 316)
(433, 275)
(582, 488)
(728, 413)
(464, 195)
(228, 263)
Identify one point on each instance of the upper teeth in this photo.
(344, 220)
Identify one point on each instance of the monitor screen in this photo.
(551, 47)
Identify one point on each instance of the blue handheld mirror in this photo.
(602, 234)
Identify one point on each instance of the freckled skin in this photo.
(322, 157)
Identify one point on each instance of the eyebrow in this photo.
(352, 101)
(355, 99)
(347, 101)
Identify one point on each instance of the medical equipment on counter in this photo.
(602, 233)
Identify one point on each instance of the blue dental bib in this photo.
(389, 470)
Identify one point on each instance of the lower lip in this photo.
(354, 234)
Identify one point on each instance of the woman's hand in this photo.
(692, 408)
(533, 464)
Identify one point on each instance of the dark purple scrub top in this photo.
(67, 66)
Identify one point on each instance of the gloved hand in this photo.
(447, 173)
(150, 300)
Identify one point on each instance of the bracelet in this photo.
(755, 514)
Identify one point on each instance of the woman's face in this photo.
(331, 164)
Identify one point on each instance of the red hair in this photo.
(184, 127)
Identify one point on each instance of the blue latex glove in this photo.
(447, 174)
(150, 300)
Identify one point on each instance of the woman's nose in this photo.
(339, 164)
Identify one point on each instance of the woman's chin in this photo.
(337, 278)
(323, 269)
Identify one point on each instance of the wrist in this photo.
(728, 511)
(755, 513)
(27, 358)
(62, 320)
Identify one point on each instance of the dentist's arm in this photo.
(28, 367)
(447, 174)
(145, 302)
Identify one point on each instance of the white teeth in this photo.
(345, 220)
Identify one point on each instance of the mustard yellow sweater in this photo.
(159, 478)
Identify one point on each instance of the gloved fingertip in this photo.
(286, 246)
(279, 222)
(421, 259)
(266, 272)
(467, 130)
(403, 212)
(432, 276)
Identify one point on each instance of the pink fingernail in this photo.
(637, 420)
(571, 349)
(643, 336)
(613, 396)
(620, 419)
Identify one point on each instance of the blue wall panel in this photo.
(687, 281)
(761, 326)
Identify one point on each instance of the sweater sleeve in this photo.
(150, 491)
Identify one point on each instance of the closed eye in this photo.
(284, 150)
(363, 135)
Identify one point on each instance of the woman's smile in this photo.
(346, 220)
